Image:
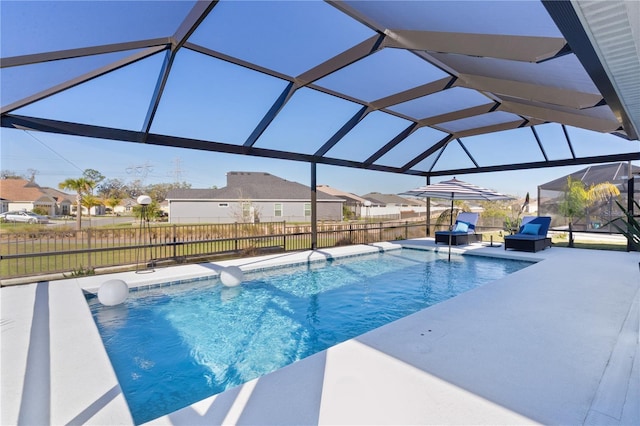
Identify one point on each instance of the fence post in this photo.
(174, 233)
(570, 235)
(89, 248)
(236, 236)
(380, 237)
(284, 235)
(406, 229)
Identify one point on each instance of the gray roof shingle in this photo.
(252, 186)
(385, 199)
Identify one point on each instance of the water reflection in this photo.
(227, 294)
(112, 317)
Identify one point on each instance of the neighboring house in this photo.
(64, 201)
(164, 207)
(393, 205)
(353, 202)
(125, 207)
(4, 205)
(95, 210)
(22, 194)
(251, 197)
(389, 200)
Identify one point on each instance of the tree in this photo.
(112, 203)
(10, 174)
(601, 195)
(575, 200)
(602, 192)
(89, 201)
(112, 188)
(135, 188)
(158, 191)
(153, 210)
(446, 217)
(94, 176)
(32, 174)
(578, 199)
(246, 211)
(347, 214)
(81, 186)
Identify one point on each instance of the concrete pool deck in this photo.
(554, 343)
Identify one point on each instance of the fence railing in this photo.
(84, 251)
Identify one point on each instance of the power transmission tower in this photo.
(141, 171)
(177, 170)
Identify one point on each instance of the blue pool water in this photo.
(174, 345)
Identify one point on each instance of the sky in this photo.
(58, 157)
(214, 100)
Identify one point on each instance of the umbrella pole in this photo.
(450, 226)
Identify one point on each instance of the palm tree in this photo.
(151, 211)
(578, 199)
(81, 186)
(89, 201)
(600, 195)
(112, 203)
(446, 216)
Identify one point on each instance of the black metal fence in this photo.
(83, 252)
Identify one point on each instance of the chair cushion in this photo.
(530, 229)
(461, 227)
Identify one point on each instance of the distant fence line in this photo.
(378, 217)
(81, 252)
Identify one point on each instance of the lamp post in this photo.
(144, 201)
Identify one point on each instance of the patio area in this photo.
(555, 343)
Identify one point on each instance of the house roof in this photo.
(615, 173)
(27, 191)
(252, 186)
(341, 194)
(59, 196)
(127, 202)
(386, 199)
(430, 82)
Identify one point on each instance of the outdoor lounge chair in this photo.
(532, 235)
(463, 231)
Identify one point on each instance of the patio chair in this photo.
(463, 231)
(532, 235)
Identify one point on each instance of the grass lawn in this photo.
(562, 240)
(111, 248)
(593, 245)
(9, 227)
(590, 241)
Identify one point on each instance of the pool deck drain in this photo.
(554, 343)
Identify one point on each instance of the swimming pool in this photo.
(174, 345)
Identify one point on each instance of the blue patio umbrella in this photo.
(455, 189)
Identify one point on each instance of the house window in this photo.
(277, 210)
(307, 209)
(246, 211)
(223, 204)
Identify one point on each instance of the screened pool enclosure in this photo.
(598, 215)
(431, 88)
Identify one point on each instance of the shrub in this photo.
(41, 211)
